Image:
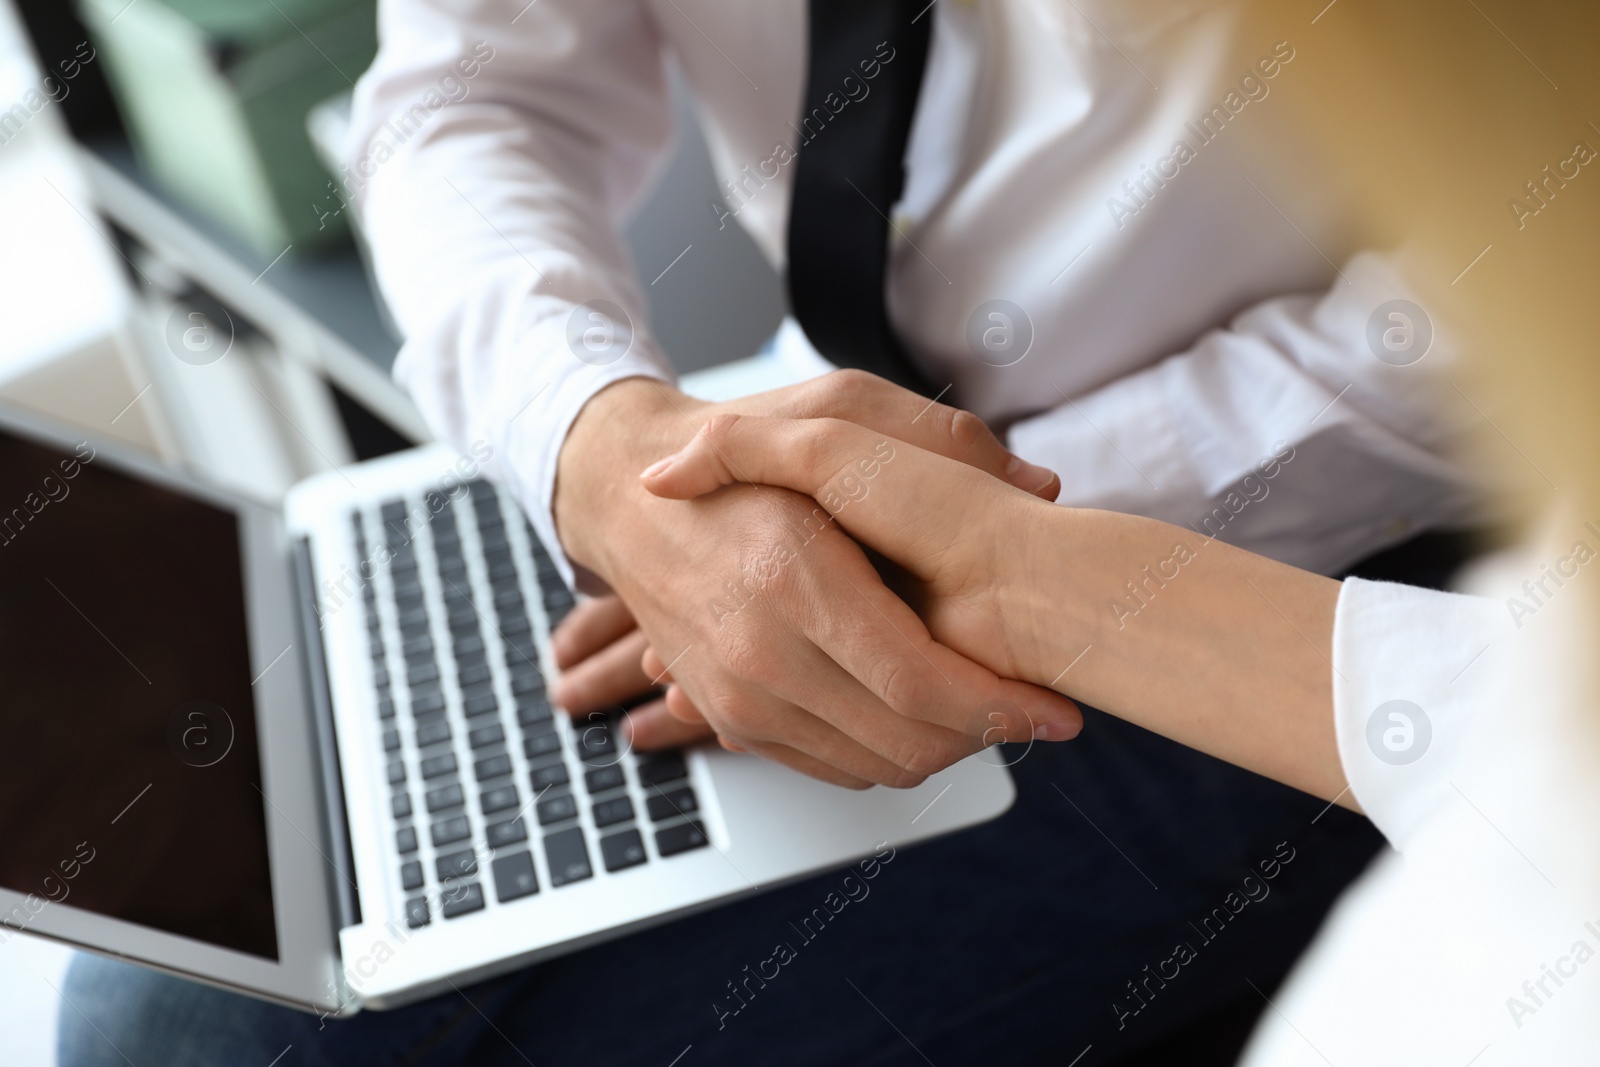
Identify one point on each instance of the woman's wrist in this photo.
(1048, 613)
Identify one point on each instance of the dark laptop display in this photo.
(129, 772)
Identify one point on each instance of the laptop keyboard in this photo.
(487, 782)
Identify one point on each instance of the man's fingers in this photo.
(650, 726)
(589, 627)
(756, 719)
(680, 707)
(605, 678)
(654, 667)
(887, 649)
(892, 411)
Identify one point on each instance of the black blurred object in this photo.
(1431, 560)
(56, 33)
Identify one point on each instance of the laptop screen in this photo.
(130, 781)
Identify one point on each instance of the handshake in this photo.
(822, 574)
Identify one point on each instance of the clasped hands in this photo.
(741, 580)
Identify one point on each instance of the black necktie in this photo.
(864, 74)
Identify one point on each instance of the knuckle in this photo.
(966, 429)
(922, 755)
(719, 426)
(837, 390)
(905, 778)
(898, 686)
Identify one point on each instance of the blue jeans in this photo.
(1026, 940)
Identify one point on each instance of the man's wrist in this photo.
(621, 430)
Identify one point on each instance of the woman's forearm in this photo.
(1217, 648)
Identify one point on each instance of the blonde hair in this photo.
(1460, 132)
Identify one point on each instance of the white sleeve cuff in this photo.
(1408, 680)
(532, 451)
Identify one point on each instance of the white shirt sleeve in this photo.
(1409, 666)
(495, 145)
(1249, 434)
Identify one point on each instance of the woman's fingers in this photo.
(906, 503)
(592, 625)
(890, 410)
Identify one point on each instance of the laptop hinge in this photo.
(349, 907)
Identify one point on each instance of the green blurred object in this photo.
(215, 94)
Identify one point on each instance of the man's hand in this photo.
(773, 623)
(598, 648)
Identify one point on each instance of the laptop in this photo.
(307, 753)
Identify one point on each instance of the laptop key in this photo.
(470, 676)
(625, 849)
(541, 744)
(681, 838)
(397, 772)
(449, 831)
(386, 707)
(507, 833)
(400, 803)
(611, 812)
(427, 702)
(434, 766)
(568, 857)
(514, 877)
(417, 912)
(483, 703)
(391, 740)
(602, 778)
(431, 733)
(493, 767)
(665, 768)
(499, 799)
(462, 864)
(422, 674)
(492, 734)
(557, 809)
(448, 796)
(548, 775)
(405, 840)
(529, 681)
(594, 739)
(461, 900)
(665, 805)
(533, 709)
(411, 875)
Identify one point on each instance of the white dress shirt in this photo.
(1477, 941)
(1184, 328)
